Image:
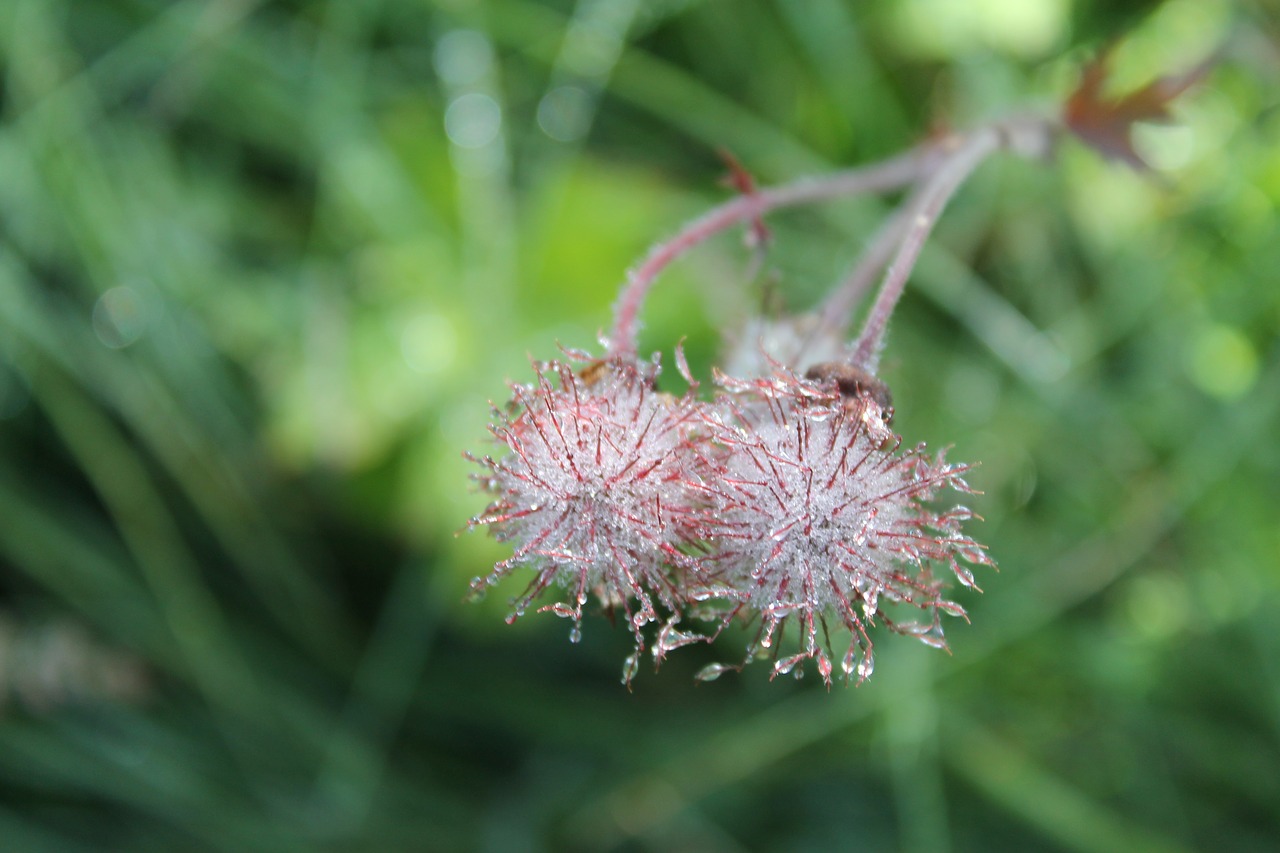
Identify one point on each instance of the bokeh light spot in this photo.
(473, 120)
(564, 113)
(1223, 362)
(463, 57)
(119, 317)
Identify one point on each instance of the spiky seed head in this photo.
(589, 489)
(821, 519)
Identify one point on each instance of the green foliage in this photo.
(262, 265)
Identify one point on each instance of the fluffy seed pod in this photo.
(591, 491)
(820, 519)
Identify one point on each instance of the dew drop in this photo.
(711, 672)
(575, 634)
(630, 667)
(866, 666)
(934, 640)
(563, 610)
(767, 640)
(669, 639)
(476, 590)
(847, 663)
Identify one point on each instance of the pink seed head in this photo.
(590, 490)
(821, 519)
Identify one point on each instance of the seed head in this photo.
(591, 490)
(822, 520)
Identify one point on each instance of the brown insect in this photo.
(593, 372)
(854, 384)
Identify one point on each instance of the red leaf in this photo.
(1106, 124)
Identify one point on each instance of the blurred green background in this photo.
(263, 265)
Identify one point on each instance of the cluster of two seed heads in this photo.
(787, 499)
(784, 500)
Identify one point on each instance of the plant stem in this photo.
(936, 169)
(834, 319)
(879, 177)
(1027, 136)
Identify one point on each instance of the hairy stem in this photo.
(920, 214)
(964, 153)
(936, 170)
(836, 314)
(880, 177)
